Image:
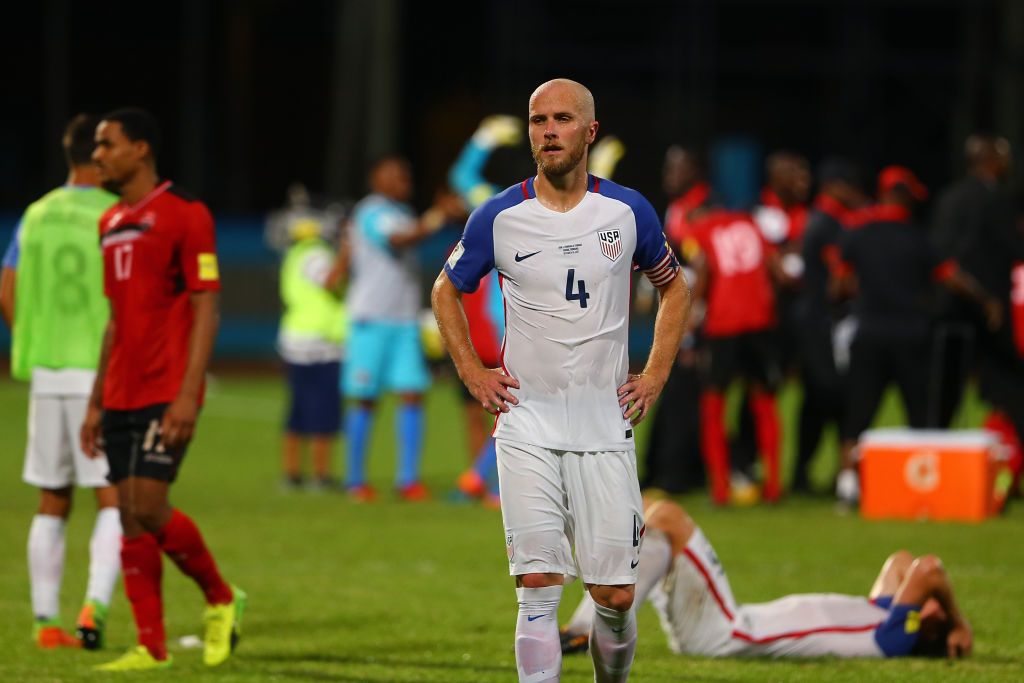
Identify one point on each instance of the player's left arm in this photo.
(641, 391)
(653, 256)
(203, 281)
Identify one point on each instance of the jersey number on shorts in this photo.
(581, 295)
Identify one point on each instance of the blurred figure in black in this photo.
(673, 461)
(974, 224)
(895, 266)
(818, 315)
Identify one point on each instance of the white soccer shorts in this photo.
(695, 602)
(554, 500)
(53, 457)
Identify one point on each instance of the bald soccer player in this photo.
(564, 243)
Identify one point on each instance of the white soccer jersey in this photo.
(565, 278)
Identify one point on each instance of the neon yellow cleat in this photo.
(136, 659)
(223, 628)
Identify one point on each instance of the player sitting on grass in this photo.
(909, 611)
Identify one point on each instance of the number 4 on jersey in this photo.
(570, 295)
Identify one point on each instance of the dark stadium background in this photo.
(255, 94)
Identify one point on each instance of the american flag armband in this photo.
(664, 271)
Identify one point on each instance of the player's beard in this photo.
(553, 167)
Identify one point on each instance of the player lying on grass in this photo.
(909, 611)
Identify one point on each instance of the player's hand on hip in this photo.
(637, 397)
(960, 641)
(491, 388)
(179, 422)
(90, 437)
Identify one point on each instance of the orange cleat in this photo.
(362, 493)
(414, 492)
(472, 484)
(52, 637)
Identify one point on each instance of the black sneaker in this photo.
(90, 623)
(573, 643)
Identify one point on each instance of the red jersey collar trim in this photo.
(832, 207)
(153, 194)
(881, 213)
(695, 196)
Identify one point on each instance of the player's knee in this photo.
(55, 502)
(539, 580)
(618, 598)
(925, 573)
(928, 566)
(147, 515)
(900, 560)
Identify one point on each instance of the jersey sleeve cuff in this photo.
(459, 283)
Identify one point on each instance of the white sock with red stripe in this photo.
(46, 564)
(655, 562)
(612, 644)
(538, 650)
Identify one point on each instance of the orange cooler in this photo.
(925, 474)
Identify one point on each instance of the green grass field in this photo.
(419, 592)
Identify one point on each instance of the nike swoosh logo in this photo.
(633, 564)
(536, 617)
(526, 256)
(618, 630)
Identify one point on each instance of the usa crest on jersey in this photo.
(611, 243)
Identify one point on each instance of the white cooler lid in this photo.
(932, 438)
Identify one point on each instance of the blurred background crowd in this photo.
(837, 177)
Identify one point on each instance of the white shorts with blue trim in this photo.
(554, 502)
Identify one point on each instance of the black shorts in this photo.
(752, 356)
(134, 448)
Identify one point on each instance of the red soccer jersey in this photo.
(154, 254)
(740, 297)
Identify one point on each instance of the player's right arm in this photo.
(488, 386)
(90, 434)
(472, 258)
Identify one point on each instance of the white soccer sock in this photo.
(612, 644)
(655, 562)
(104, 556)
(538, 650)
(46, 564)
(583, 617)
